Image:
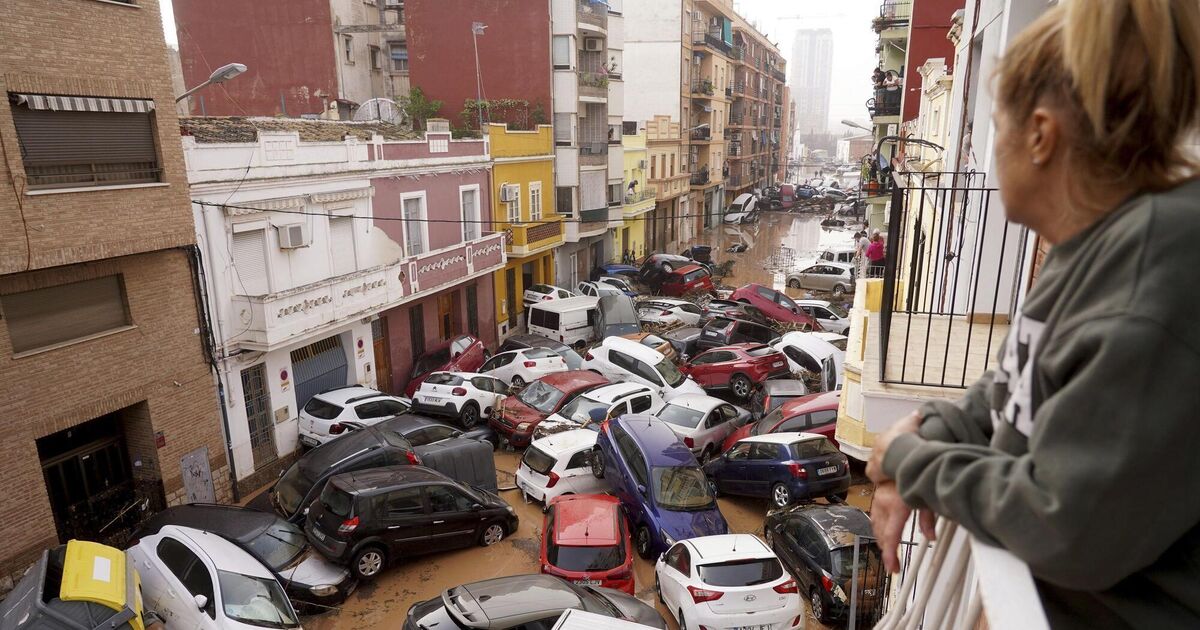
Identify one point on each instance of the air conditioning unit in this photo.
(509, 192)
(593, 44)
(293, 236)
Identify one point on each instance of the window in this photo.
(190, 571)
(341, 245)
(514, 204)
(562, 130)
(69, 146)
(799, 423)
(562, 52)
(564, 202)
(416, 330)
(376, 58)
(582, 459)
(414, 225)
(640, 404)
(472, 310)
(469, 202)
(447, 499)
(348, 47)
(431, 434)
(614, 194)
(629, 127)
(399, 55)
(822, 418)
(680, 559)
(672, 166)
(653, 167)
(741, 451)
(535, 201)
(405, 502)
(46, 317)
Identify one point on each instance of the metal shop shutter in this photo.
(318, 367)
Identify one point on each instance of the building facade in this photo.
(756, 117)
(96, 256)
(811, 79)
(303, 57)
(667, 180)
(639, 198)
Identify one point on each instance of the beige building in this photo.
(110, 403)
(667, 179)
(756, 116)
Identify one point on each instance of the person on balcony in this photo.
(876, 255)
(1078, 452)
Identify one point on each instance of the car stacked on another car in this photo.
(832, 317)
(519, 415)
(592, 407)
(669, 312)
(597, 289)
(625, 360)
(467, 396)
(519, 367)
(461, 354)
(809, 352)
(585, 540)
(730, 309)
(737, 368)
(325, 415)
(558, 465)
(772, 394)
(774, 304)
(651, 340)
(702, 422)
(783, 467)
(686, 280)
(814, 413)
(721, 331)
(522, 341)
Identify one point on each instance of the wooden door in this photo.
(446, 315)
(383, 356)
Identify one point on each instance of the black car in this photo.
(311, 581)
(521, 342)
(816, 544)
(422, 431)
(771, 394)
(721, 331)
(683, 340)
(524, 602)
(616, 316)
(368, 518)
(733, 310)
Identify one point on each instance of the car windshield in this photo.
(443, 378)
(255, 601)
(538, 460)
(741, 572)
(431, 362)
(541, 288)
(585, 558)
(292, 487)
(278, 545)
(838, 310)
(541, 396)
(670, 373)
(764, 425)
(839, 343)
(681, 488)
(580, 410)
(681, 416)
(843, 559)
(318, 408)
(653, 341)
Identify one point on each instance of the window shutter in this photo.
(44, 317)
(341, 245)
(250, 262)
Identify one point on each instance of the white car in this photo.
(702, 422)
(744, 209)
(835, 277)
(468, 396)
(838, 341)
(594, 406)
(597, 289)
(559, 464)
(323, 416)
(669, 311)
(832, 317)
(625, 360)
(544, 293)
(620, 283)
(197, 579)
(519, 367)
(727, 581)
(806, 351)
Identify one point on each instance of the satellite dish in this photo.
(384, 109)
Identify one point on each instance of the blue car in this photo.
(781, 466)
(619, 270)
(659, 482)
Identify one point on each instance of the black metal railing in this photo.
(701, 178)
(704, 133)
(885, 103)
(951, 278)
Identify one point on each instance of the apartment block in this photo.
(756, 137)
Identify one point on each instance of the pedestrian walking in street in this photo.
(1077, 452)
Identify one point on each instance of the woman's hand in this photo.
(907, 424)
(889, 512)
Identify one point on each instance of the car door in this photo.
(795, 558)
(648, 375)
(490, 391)
(577, 474)
(453, 522)
(498, 366)
(766, 302)
(731, 476)
(186, 576)
(760, 469)
(827, 319)
(728, 417)
(676, 576)
(811, 549)
(405, 519)
(702, 366)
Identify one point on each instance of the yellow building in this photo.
(639, 197)
(523, 206)
(668, 181)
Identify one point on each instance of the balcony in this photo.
(738, 53)
(779, 75)
(700, 178)
(735, 119)
(593, 85)
(739, 88)
(892, 14)
(592, 12)
(703, 88)
(638, 197)
(713, 38)
(531, 238)
(886, 102)
(593, 153)
(703, 134)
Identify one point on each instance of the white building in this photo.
(811, 79)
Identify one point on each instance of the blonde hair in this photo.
(1124, 73)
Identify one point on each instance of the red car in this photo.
(774, 304)
(815, 413)
(686, 279)
(736, 367)
(517, 416)
(585, 541)
(461, 354)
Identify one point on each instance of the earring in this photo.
(1037, 162)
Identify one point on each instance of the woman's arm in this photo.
(965, 421)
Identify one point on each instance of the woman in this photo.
(1080, 452)
(876, 253)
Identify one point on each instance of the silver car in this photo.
(834, 277)
(702, 422)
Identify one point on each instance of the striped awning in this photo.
(85, 103)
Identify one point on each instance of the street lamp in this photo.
(220, 75)
(700, 126)
(851, 123)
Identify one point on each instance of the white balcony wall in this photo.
(616, 100)
(566, 91)
(616, 163)
(562, 17)
(566, 166)
(616, 31)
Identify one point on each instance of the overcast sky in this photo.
(853, 42)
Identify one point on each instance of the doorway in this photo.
(574, 278)
(89, 479)
(510, 297)
(258, 413)
(445, 315)
(383, 355)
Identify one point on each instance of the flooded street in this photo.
(773, 241)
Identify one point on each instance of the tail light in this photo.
(588, 357)
(337, 429)
(546, 297)
(701, 595)
(827, 583)
(412, 458)
(553, 480)
(666, 312)
(348, 525)
(459, 391)
(530, 364)
(798, 470)
(689, 442)
(787, 587)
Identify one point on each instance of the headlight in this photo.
(666, 537)
(323, 590)
(510, 510)
(523, 426)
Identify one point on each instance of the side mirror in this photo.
(455, 434)
(475, 507)
(457, 354)
(641, 489)
(201, 601)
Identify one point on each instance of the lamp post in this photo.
(220, 75)
(851, 123)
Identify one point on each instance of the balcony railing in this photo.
(736, 119)
(528, 238)
(638, 196)
(593, 84)
(704, 133)
(779, 75)
(885, 103)
(704, 87)
(950, 280)
(595, 214)
(593, 12)
(701, 178)
(713, 38)
(739, 87)
(892, 14)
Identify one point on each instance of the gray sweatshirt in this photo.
(1080, 452)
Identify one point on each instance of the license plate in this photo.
(758, 627)
(430, 399)
(588, 582)
(319, 534)
(870, 592)
(309, 441)
(777, 364)
(828, 470)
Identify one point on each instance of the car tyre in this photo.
(469, 416)
(666, 267)
(741, 386)
(794, 283)
(781, 497)
(642, 542)
(706, 454)
(839, 290)
(368, 562)
(817, 606)
(492, 533)
(597, 464)
(712, 487)
(518, 382)
(658, 590)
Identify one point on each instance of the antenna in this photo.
(735, 543)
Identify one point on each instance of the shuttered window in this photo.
(45, 317)
(250, 263)
(341, 245)
(84, 148)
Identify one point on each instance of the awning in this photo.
(85, 104)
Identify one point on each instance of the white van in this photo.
(568, 320)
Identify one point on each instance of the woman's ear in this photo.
(1043, 135)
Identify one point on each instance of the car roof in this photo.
(840, 523)
(343, 395)
(231, 521)
(811, 402)
(686, 269)
(655, 438)
(833, 263)
(582, 520)
(223, 554)
(517, 596)
(552, 287)
(809, 343)
(634, 349)
(789, 437)
(784, 386)
(825, 335)
(566, 441)
(696, 402)
(664, 300)
(574, 379)
(609, 393)
(742, 197)
(726, 547)
(371, 479)
(465, 375)
(813, 302)
(740, 347)
(567, 304)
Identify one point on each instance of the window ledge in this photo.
(60, 191)
(123, 4)
(71, 342)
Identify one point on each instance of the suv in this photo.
(626, 360)
(585, 540)
(783, 467)
(721, 331)
(322, 418)
(461, 354)
(774, 304)
(685, 280)
(836, 277)
(593, 406)
(369, 518)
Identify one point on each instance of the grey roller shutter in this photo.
(250, 263)
(318, 367)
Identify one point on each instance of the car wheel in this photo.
(817, 605)
(712, 487)
(469, 417)
(794, 283)
(597, 464)
(658, 590)
(667, 267)
(368, 562)
(839, 290)
(642, 542)
(781, 496)
(491, 534)
(682, 621)
(741, 386)
(706, 454)
(518, 382)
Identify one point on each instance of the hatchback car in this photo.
(307, 577)
(651, 340)
(744, 209)
(669, 312)
(558, 465)
(519, 367)
(624, 360)
(422, 432)
(461, 354)
(596, 405)
(816, 544)
(727, 581)
(730, 309)
(835, 277)
(772, 394)
(585, 540)
(775, 305)
(686, 280)
(783, 467)
(467, 396)
(619, 283)
(832, 317)
(736, 368)
(629, 273)
(197, 579)
(519, 415)
(369, 518)
(808, 352)
(544, 293)
(814, 413)
(702, 422)
(520, 342)
(656, 267)
(724, 332)
(324, 416)
(659, 482)
(597, 289)
(524, 602)
(616, 315)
